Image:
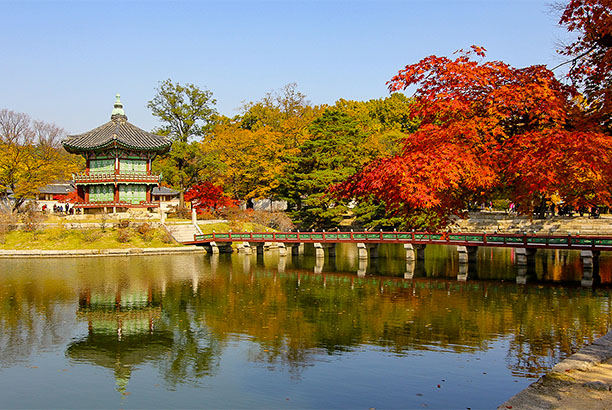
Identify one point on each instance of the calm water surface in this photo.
(251, 331)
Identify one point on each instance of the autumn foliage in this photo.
(69, 198)
(486, 128)
(206, 196)
(591, 54)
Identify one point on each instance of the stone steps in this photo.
(182, 233)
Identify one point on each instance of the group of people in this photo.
(60, 209)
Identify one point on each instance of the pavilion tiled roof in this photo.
(117, 132)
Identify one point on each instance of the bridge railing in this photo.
(450, 238)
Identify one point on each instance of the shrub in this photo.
(123, 235)
(59, 233)
(8, 220)
(31, 218)
(165, 236)
(144, 228)
(176, 212)
(90, 235)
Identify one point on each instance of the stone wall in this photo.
(559, 225)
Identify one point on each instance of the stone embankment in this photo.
(502, 222)
(582, 381)
(72, 253)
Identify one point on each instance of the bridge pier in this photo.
(362, 266)
(462, 275)
(521, 275)
(282, 263)
(467, 253)
(410, 256)
(318, 268)
(367, 249)
(245, 248)
(409, 274)
(214, 248)
(590, 261)
(320, 249)
(523, 256)
(282, 249)
(296, 248)
(259, 247)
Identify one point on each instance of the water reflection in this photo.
(182, 314)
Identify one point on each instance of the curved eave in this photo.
(115, 144)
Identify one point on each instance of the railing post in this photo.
(351, 234)
(381, 234)
(484, 237)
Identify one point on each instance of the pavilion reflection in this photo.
(121, 332)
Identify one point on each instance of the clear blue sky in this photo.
(63, 61)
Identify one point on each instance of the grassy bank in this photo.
(110, 238)
(234, 227)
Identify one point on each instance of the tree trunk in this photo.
(182, 199)
(542, 210)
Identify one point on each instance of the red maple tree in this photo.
(486, 128)
(591, 54)
(207, 196)
(69, 198)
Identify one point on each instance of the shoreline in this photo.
(582, 380)
(84, 253)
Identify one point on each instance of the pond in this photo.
(262, 331)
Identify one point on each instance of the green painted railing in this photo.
(454, 238)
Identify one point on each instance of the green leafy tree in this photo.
(186, 112)
(335, 150)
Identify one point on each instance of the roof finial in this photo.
(118, 110)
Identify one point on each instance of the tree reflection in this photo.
(179, 316)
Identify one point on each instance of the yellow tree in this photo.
(31, 156)
(248, 162)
